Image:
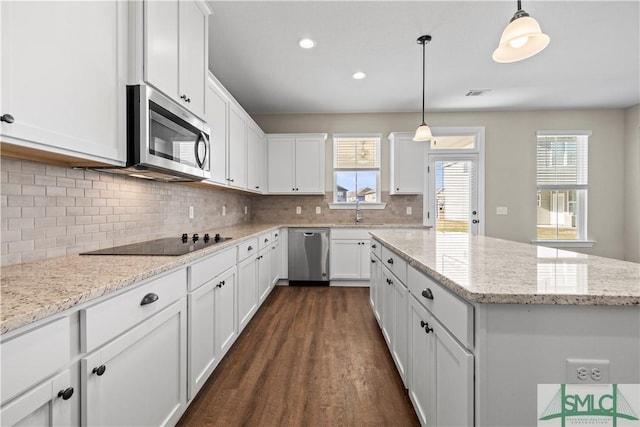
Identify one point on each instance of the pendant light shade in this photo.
(522, 38)
(423, 133)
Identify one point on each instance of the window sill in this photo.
(565, 243)
(361, 206)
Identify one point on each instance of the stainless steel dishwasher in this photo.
(308, 256)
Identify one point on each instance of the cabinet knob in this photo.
(475, 221)
(427, 293)
(257, 187)
(373, 261)
(66, 394)
(266, 240)
(397, 189)
(426, 327)
(7, 118)
(374, 246)
(250, 248)
(149, 298)
(230, 179)
(99, 370)
(390, 260)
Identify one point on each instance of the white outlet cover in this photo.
(191, 214)
(502, 210)
(409, 210)
(318, 210)
(224, 210)
(298, 210)
(587, 371)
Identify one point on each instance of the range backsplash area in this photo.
(49, 210)
(282, 209)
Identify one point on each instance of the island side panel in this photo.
(520, 346)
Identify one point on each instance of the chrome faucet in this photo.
(358, 216)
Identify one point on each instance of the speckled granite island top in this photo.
(488, 270)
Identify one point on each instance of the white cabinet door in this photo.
(365, 260)
(281, 165)
(387, 306)
(47, 404)
(264, 276)
(140, 377)
(161, 46)
(226, 330)
(309, 161)
(237, 148)
(399, 338)
(247, 291)
(375, 287)
(192, 56)
(274, 269)
(255, 160)
(421, 367)
(407, 165)
(216, 106)
(345, 259)
(202, 347)
(64, 83)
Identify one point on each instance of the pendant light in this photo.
(423, 133)
(522, 38)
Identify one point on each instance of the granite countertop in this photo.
(483, 269)
(33, 291)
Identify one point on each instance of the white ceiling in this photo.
(593, 59)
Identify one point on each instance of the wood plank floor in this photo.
(311, 356)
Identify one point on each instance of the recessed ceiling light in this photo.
(359, 75)
(306, 43)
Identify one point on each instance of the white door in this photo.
(309, 173)
(226, 330)
(264, 277)
(345, 259)
(280, 165)
(453, 193)
(202, 348)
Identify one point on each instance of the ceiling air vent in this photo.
(477, 92)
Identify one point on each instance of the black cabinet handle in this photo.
(149, 298)
(266, 240)
(250, 248)
(390, 260)
(427, 293)
(373, 261)
(426, 327)
(374, 246)
(99, 370)
(475, 221)
(66, 394)
(276, 234)
(7, 118)
(423, 323)
(231, 179)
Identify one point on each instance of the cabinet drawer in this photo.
(454, 313)
(106, 320)
(208, 268)
(264, 240)
(33, 356)
(393, 262)
(350, 233)
(248, 248)
(376, 248)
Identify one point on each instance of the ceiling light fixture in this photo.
(359, 75)
(522, 38)
(423, 133)
(306, 43)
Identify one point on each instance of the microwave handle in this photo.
(202, 139)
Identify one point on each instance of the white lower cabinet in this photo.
(375, 287)
(274, 268)
(264, 275)
(47, 404)
(212, 327)
(140, 377)
(440, 372)
(247, 290)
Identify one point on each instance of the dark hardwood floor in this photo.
(311, 356)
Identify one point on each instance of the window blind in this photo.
(562, 161)
(357, 153)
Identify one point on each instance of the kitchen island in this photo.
(487, 320)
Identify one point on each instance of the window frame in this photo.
(335, 204)
(581, 190)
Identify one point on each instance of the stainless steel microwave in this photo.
(164, 140)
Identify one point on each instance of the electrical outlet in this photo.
(409, 210)
(246, 210)
(224, 210)
(318, 210)
(502, 210)
(298, 210)
(585, 371)
(191, 212)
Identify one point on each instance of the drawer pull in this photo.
(149, 298)
(266, 240)
(427, 293)
(390, 260)
(250, 248)
(66, 394)
(99, 370)
(374, 246)
(373, 261)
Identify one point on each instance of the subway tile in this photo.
(65, 220)
(91, 210)
(65, 241)
(72, 230)
(91, 228)
(33, 168)
(11, 212)
(44, 200)
(11, 259)
(20, 178)
(20, 200)
(11, 235)
(55, 211)
(56, 252)
(45, 180)
(20, 223)
(53, 170)
(83, 201)
(83, 219)
(11, 189)
(33, 190)
(99, 185)
(56, 191)
(33, 212)
(66, 201)
(75, 173)
(83, 183)
(65, 182)
(55, 231)
(10, 164)
(98, 202)
(20, 246)
(45, 222)
(75, 192)
(34, 255)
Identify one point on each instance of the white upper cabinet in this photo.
(237, 147)
(64, 83)
(175, 50)
(216, 114)
(407, 164)
(255, 159)
(295, 163)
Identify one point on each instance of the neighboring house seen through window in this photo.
(356, 168)
(562, 182)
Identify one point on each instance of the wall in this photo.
(632, 184)
(50, 210)
(510, 161)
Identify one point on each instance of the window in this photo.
(562, 179)
(356, 168)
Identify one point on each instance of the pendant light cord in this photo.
(423, 78)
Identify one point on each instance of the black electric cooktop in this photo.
(169, 246)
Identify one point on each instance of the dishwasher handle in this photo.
(308, 234)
